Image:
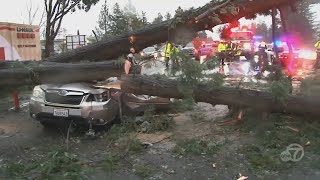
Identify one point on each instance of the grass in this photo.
(120, 130)
(197, 116)
(160, 123)
(197, 147)
(112, 162)
(272, 136)
(129, 145)
(264, 159)
(143, 170)
(57, 164)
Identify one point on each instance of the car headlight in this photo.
(38, 92)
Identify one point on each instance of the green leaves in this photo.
(280, 90)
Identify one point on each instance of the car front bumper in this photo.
(42, 111)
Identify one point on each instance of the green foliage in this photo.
(197, 147)
(129, 145)
(120, 21)
(112, 162)
(212, 63)
(281, 90)
(158, 19)
(168, 16)
(186, 104)
(260, 159)
(103, 22)
(57, 164)
(160, 122)
(272, 136)
(121, 130)
(215, 80)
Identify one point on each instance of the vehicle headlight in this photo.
(38, 92)
(246, 46)
(307, 54)
(142, 54)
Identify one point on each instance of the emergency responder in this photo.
(231, 50)
(174, 54)
(230, 46)
(222, 53)
(262, 60)
(317, 46)
(167, 53)
(130, 61)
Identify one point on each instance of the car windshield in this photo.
(189, 45)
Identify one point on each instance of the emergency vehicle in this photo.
(243, 37)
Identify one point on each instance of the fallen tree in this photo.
(180, 27)
(19, 74)
(186, 25)
(242, 98)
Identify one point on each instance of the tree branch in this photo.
(64, 12)
(211, 10)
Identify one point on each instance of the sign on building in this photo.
(19, 42)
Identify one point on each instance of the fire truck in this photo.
(243, 37)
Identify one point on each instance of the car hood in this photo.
(186, 48)
(80, 87)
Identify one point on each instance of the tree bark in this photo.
(157, 33)
(275, 46)
(244, 98)
(40, 73)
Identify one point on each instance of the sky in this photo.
(15, 11)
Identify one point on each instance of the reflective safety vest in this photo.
(221, 47)
(231, 46)
(168, 50)
(317, 45)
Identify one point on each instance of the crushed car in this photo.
(86, 104)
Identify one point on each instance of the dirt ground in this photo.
(24, 140)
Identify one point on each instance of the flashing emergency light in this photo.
(257, 37)
(278, 43)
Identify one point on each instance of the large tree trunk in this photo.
(34, 73)
(203, 18)
(167, 88)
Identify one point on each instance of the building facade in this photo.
(19, 42)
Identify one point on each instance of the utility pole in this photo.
(274, 33)
(130, 8)
(284, 13)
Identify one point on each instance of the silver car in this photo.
(79, 102)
